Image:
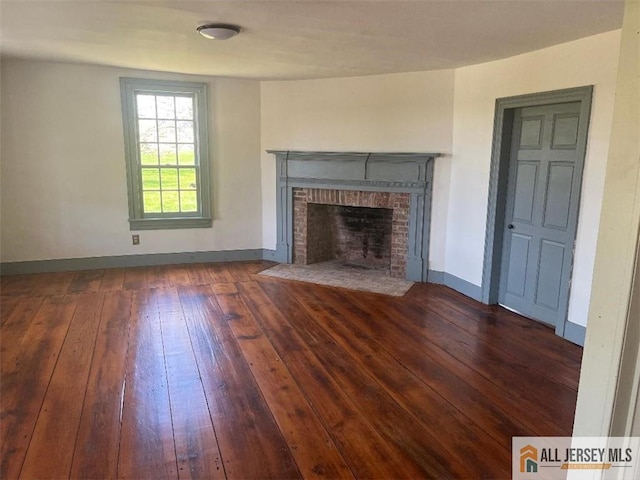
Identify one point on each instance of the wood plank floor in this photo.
(211, 371)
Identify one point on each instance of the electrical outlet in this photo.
(135, 239)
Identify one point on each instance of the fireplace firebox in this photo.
(362, 229)
(356, 236)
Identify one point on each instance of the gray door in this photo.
(544, 181)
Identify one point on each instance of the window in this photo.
(165, 132)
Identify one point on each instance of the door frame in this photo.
(498, 181)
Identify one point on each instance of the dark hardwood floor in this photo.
(210, 371)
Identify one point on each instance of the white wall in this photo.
(63, 169)
(409, 112)
(589, 61)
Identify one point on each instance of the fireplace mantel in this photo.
(375, 171)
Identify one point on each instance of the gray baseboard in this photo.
(574, 333)
(433, 276)
(271, 255)
(458, 284)
(120, 261)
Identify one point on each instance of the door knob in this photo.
(510, 226)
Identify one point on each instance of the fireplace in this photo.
(367, 210)
(357, 228)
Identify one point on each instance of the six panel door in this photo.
(541, 210)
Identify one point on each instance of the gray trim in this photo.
(415, 260)
(283, 226)
(574, 333)
(462, 286)
(434, 276)
(270, 255)
(364, 185)
(168, 223)
(137, 220)
(456, 283)
(425, 239)
(367, 156)
(375, 172)
(499, 175)
(119, 261)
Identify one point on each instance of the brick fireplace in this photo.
(358, 228)
(369, 210)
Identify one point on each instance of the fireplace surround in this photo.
(399, 182)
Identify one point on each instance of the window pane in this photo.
(170, 202)
(151, 202)
(189, 201)
(167, 154)
(186, 154)
(169, 178)
(187, 179)
(146, 106)
(147, 130)
(184, 108)
(151, 179)
(149, 153)
(185, 131)
(167, 130)
(165, 107)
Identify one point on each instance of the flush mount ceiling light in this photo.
(218, 31)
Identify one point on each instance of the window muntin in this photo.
(165, 132)
(166, 149)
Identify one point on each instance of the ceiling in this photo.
(296, 39)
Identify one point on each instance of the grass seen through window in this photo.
(166, 149)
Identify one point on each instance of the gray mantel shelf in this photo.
(404, 172)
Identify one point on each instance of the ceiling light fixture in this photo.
(218, 31)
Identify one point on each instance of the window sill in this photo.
(168, 223)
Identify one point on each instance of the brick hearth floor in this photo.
(336, 274)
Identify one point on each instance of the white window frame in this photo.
(138, 220)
